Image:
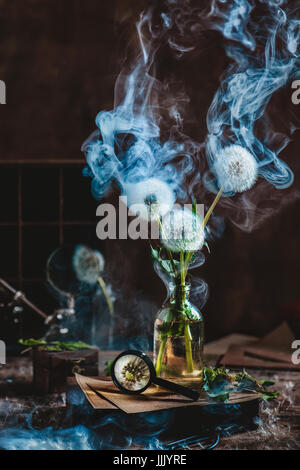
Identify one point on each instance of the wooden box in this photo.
(51, 369)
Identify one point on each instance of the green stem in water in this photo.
(162, 348)
(187, 332)
(160, 356)
(188, 348)
(184, 264)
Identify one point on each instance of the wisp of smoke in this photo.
(143, 136)
(262, 42)
(239, 106)
(127, 147)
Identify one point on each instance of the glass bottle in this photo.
(178, 339)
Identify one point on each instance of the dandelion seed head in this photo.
(182, 231)
(149, 199)
(87, 264)
(236, 169)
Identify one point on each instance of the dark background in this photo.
(60, 60)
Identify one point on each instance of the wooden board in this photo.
(253, 356)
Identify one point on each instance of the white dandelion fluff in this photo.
(88, 264)
(236, 169)
(181, 230)
(149, 199)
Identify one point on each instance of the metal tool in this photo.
(133, 372)
(19, 297)
(205, 443)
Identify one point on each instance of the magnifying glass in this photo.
(133, 372)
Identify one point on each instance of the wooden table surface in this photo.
(278, 422)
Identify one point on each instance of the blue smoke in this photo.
(127, 147)
(77, 438)
(231, 18)
(249, 84)
(262, 42)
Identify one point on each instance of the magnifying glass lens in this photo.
(132, 372)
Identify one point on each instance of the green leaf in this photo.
(53, 348)
(194, 209)
(74, 345)
(270, 395)
(57, 346)
(266, 383)
(217, 383)
(154, 253)
(165, 264)
(207, 246)
(246, 381)
(32, 342)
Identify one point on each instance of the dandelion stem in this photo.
(209, 212)
(185, 259)
(182, 268)
(187, 332)
(188, 258)
(106, 295)
(188, 348)
(160, 356)
(167, 249)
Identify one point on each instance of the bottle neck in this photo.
(179, 294)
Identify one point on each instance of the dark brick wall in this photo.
(58, 62)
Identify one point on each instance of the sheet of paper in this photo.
(103, 394)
